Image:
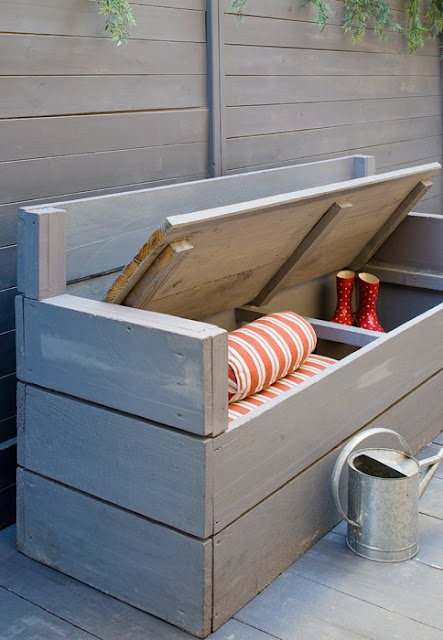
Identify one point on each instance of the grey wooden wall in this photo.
(295, 94)
(80, 116)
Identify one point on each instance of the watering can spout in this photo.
(432, 464)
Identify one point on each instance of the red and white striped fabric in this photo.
(312, 365)
(265, 350)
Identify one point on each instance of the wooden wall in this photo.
(81, 116)
(295, 94)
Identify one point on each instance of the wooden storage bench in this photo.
(129, 478)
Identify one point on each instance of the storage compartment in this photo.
(130, 478)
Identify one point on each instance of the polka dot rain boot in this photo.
(343, 312)
(367, 299)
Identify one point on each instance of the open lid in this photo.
(201, 263)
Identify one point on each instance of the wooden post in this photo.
(41, 259)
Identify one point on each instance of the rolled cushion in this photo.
(265, 350)
(311, 366)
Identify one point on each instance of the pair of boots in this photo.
(366, 316)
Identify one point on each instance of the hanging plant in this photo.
(119, 18)
(359, 14)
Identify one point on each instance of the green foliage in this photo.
(118, 18)
(376, 14)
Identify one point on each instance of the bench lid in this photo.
(198, 264)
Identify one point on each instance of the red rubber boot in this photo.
(343, 312)
(367, 299)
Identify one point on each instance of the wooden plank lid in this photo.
(201, 263)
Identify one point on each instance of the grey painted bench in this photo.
(129, 478)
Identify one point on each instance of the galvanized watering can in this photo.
(384, 487)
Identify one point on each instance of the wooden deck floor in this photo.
(328, 593)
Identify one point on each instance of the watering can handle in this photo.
(347, 449)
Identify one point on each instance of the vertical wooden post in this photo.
(41, 252)
(364, 166)
(215, 82)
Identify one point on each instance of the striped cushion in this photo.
(312, 365)
(265, 350)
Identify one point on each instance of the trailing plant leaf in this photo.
(323, 11)
(118, 18)
(238, 6)
(433, 21)
(358, 13)
(415, 32)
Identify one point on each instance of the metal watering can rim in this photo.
(432, 462)
(406, 473)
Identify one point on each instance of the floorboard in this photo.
(329, 593)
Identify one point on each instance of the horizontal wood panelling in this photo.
(8, 267)
(8, 212)
(42, 137)
(7, 353)
(256, 150)
(7, 313)
(283, 90)
(80, 18)
(267, 32)
(42, 177)
(59, 55)
(51, 96)
(7, 396)
(432, 205)
(260, 119)
(278, 61)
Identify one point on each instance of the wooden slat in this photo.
(279, 118)
(257, 31)
(161, 473)
(7, 510)
(44, 137)
(391, 224)
(369, 66)
(104, 354)
(415, 244)
(8, 454)
(297, 421)
(278, 225)
(305, 250)
(155, 568)
(272, 89)
(95, 248)
(255, 150)
(246, 555)
(78, 18)
(100, 93)
(31, 179)
(63, 56)
(41, 256)
(8, 429)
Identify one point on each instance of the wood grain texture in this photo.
(415, 244)
(155, 472)
(50, 136)
(381, 373)
(106, 354)
(155, 568)
(94, 248)
(278, 225)
(62, 56)
(77, 18)
(44, 95)
(41, 253)
(246, 556)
